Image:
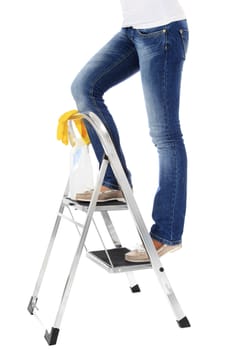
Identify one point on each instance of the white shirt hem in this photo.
(154, 23)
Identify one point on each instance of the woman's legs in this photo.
(160, 53)
(115, 62)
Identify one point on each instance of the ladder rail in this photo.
(116, 241)
(103, 243)
(48, 252)
(111, 229)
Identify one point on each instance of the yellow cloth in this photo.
(62, 129)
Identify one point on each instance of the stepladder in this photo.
(112, 259)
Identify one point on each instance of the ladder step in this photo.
(118, 261)
(100, 206)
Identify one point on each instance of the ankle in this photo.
(105, 188)
(157, 244)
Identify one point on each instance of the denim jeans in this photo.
(158, 53)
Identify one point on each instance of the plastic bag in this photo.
(81, 172)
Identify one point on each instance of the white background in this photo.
(43, 46)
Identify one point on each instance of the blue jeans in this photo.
(158, 53)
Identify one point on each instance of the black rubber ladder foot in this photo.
(31, 305)
(184, 323)
(52, 337)
(135, 289)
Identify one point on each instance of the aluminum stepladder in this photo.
(111, 259)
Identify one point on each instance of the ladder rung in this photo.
(117, 258)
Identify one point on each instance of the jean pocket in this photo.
(151, 32)
(184, 34)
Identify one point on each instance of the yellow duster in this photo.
(63, 131)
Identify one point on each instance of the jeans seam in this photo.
(173, 196)
(165, 81)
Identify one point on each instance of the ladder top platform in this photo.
(100, 206)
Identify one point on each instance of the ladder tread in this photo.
(118, 260)
(100, 206)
